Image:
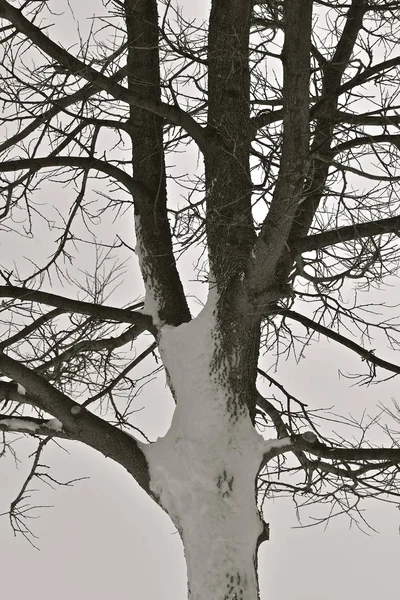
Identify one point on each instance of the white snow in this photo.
(20, 425)
(26, 425)
(21, 390)
(204, 468)
(54, 424)
(275, 444)
(151, 303)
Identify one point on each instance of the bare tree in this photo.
(292, 203)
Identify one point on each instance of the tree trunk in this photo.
(204, 469)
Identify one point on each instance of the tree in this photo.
(291, 207)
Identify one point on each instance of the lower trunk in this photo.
(207, 486)
(220, 550)
(204, 470)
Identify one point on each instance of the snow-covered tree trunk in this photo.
(204, 470)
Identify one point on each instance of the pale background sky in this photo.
(104, 538)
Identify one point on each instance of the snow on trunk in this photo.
(151, 304)
(205, 467)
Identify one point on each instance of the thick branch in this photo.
(369, 73)
(98, 311)
(366, 355)
(282, 429)
(359, 172)
(229, 224)
(271, 247)
(347, 454)
(379, 118)
(325, 111)
(77, 162)
(372, 118)
(367, 140)
(80, 425)
(163, 285)
(346, 234)
(9, 392)
(274, 414)
(265, 118)
(307, 442)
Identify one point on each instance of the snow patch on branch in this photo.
(21, 390)
(151, 304)
(15, 424)
(20, 425)
(54, 424)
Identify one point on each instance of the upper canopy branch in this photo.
(272, 242)
(172, 114)
(77, 162)
(60, 105)
(367, 355)
(317, 241)
(324, 111)
(99, 311)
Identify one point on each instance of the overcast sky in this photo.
(103, 538)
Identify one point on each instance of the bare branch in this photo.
(26, 331)
(172, 114)
(367, 355)
(96, 345)
(347, 233)
(107, 389)
(77, 162)
(388, 455)
(99, 311)
(80, 425)
(60, 105)
(271, 246)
